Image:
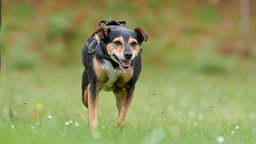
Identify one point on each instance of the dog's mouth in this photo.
(125, 64)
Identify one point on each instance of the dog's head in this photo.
(122, 44)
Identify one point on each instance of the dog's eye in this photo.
(134, 44)
(118, 43)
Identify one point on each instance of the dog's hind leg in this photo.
(93, 92)
(85, 83)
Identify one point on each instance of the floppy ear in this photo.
(141, 34)
(101, 31)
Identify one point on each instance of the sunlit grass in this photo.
(187, 93)
(172, 104)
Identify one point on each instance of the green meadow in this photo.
(189, 90)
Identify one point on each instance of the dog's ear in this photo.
(142, 36)
(101, 31)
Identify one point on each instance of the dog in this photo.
(112, 62)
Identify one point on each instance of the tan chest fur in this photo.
(110, 77)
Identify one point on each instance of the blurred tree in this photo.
(245, 25)
(0, 29)
(0, 59)
(0, 14)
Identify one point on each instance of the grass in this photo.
(179, 104)
(186, 93)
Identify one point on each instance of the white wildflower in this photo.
(12, 126)
(49, 117)
(220, 139)
(66, 123)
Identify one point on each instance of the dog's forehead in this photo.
(118, 31)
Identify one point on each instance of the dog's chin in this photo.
(123, 64)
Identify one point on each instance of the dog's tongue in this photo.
(125, 63)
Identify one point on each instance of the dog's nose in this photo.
(128, 55)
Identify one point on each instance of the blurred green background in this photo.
(42, 32)
(197, 82)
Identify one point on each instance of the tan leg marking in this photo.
(86, 97)
(92, 108)
(120, 98)
(124, 106)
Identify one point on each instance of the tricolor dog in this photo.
(112, 62)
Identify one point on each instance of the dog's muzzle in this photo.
(124, 61)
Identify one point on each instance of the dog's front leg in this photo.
(126, 102)
(120, 98)
(93, 105)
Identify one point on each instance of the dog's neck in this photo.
(112, 73)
